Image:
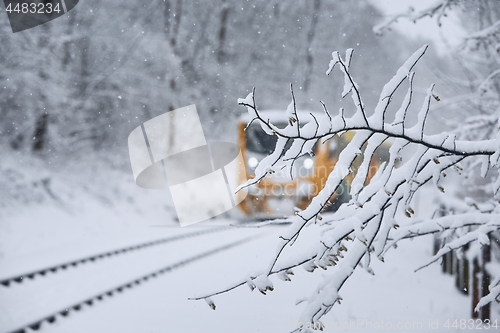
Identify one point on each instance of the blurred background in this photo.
(73, 89)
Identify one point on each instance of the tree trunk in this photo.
(221, 55)
(176, 25)
(40, 134)
(310, 39)
(167, 20)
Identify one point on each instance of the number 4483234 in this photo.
(33, 8)
(477, 324)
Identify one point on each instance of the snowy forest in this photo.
(413, 244)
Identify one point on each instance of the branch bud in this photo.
(283, 276)
(250, 284)
(309, 266)
(210, 302)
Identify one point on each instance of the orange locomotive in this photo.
(278, 194)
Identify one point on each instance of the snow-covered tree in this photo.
(381, 211)
(98, 76)
(477, 103)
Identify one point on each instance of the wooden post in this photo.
(485, 280)
(465, 272)
(475, 286)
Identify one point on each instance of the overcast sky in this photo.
(426, 28)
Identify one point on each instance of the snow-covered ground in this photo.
(395, 294)
(44, 235)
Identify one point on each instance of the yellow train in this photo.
(279, 194)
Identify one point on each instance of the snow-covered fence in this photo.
(471, 276)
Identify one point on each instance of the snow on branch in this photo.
(368, 224)
(437, 10)
(486, 33)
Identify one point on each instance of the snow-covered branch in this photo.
(366, 225)
(437, 10)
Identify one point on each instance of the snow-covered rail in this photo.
(92, 300)
(99, 256)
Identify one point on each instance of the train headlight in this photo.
(308, 163)
(253, 162)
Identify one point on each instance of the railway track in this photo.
(94, 299)
(6, 282)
